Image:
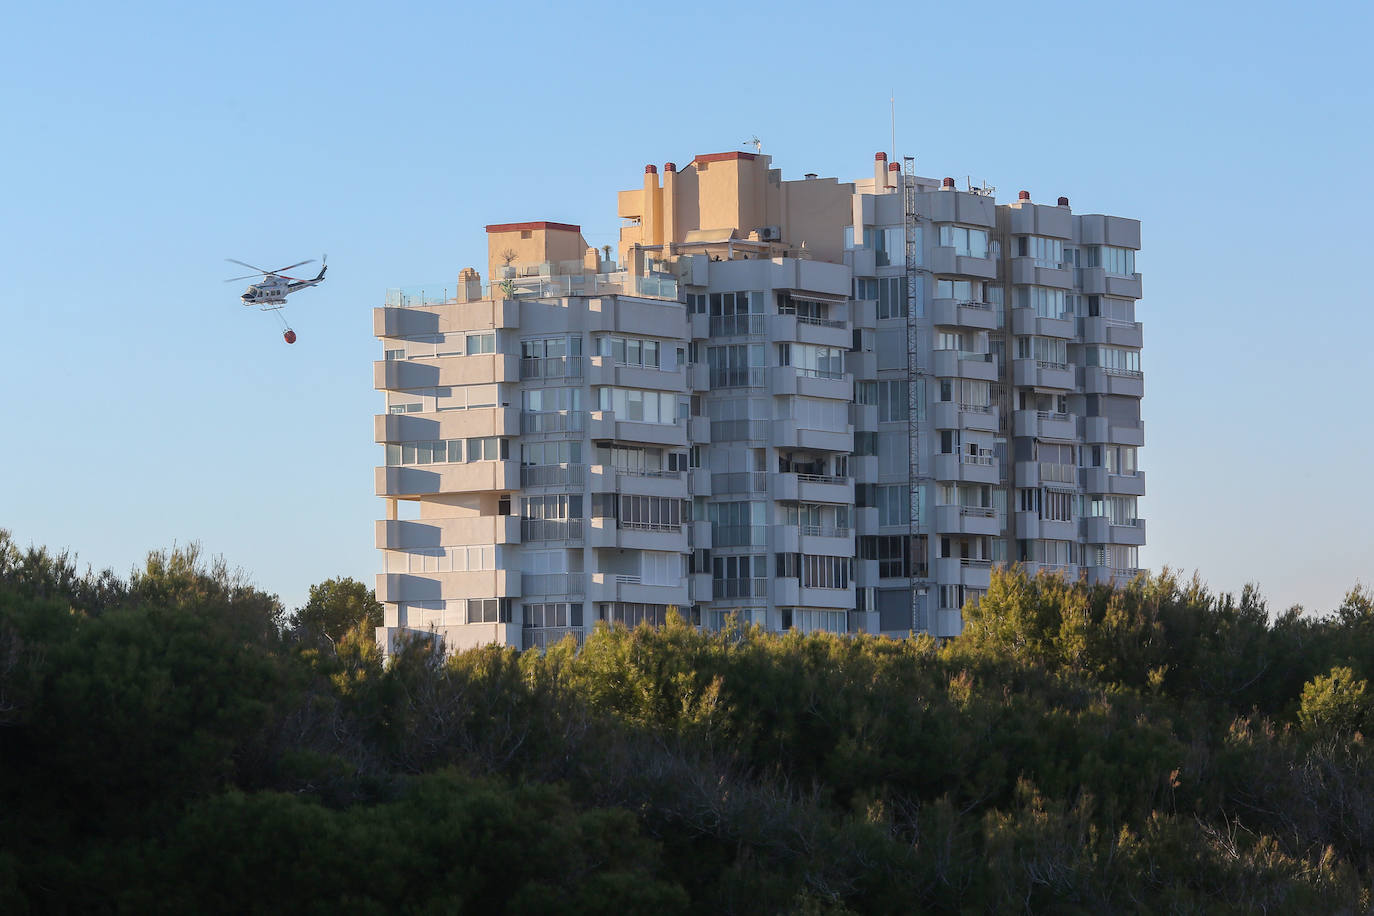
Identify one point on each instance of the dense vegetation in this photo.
(175, 742)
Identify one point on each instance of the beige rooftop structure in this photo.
(804, 404)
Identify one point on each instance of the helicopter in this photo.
(269, 294)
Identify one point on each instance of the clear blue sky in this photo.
(144, 143)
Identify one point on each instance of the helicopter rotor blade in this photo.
(249, 266)
(279, 270)
(244, 277)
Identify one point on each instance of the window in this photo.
(630, 351)
(1047, 302)
(866, 393)
(1117, 261)
(1052, 350)
(730, 365)
(1058, 505)
(1115, 359)
(892, 400)
(891, 296)
(894, 504)
(481, 343)
(826, 571)
(488, 610)
(812, 360)
(1118, 510)
(965, 241)
(739, 577)
(817, 413)
(537, 454)
(696, 303)
(638, 405)
(554, 614)
(650, 513)
(959, 290)
(489, 448)
(893, 553)
(1047, 252)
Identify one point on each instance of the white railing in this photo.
(737, 377)
(550, 529)
(739, 588)
(975, 304)
(629, 580)
(820, 322)
(984, 459)
(823, 478)
(646, 472)
(1124, 373)
(737, 325)
(1058, 473)
(649, 526)
(550, 367)
(553, 475)
(975, 563)
(542, 637)
(555, 421)
(826, 531)
(975, 408)
(819, 373)
(977, 511)
(1053, 415)
(553, 584)
(1050, 364)
(540, 287)
(739, 482)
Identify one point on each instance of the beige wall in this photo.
(533, 243)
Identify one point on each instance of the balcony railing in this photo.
(975, 304)
(977, 512)
(975, 408)
(1124, 373)
(648, 526)
(550, 529)
(737, 430)
(739, 535)
(737, 377)
(823, 478)
(1058, 473)
(554, 421)
(540, 584)
(647, 472)
(820, 322)
(542, 637)
(739, 588)
(737, 325)
(1050, 364)
(1053, 415)
(975, 563)
(739, 482)
(826, 531)
(983, 459)
(534, 367)
(541, 287)
(820, 373)
(553, 475)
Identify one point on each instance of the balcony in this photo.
(976, 573)
(788, 592)
(736, 326)
(445, 371)
(605, 587)
(553, 475)
(699, 482)
(730, 589)
(947, 261)
(1100, 530)
(553, 585)
(967, 468)
(812, 488)
(605, 532)
(551, 529)
(1100, 380)
(739, 482)
(1096, 281)
(824, 332)
(963, 314)
(698, 534)
(786, 434)
(543, 423)
(957, 364)
(1100, 480)
(423, 318)
(637, 481)
(551, 368)
(738, 536)
(448, 424)
(815, 383)
(1112, 332)
(1039, 373)
(447, 532)
(601, 371)
(1026, 321)
(1102, 430)
(1036, 473)
(542, 638)
(475, 476)
(1030, 271)
(603, 425)
(699, 588)
(951, 415)
(1108, 575)
(1030, 526)
(976, 520)
(489, 583)
(1045, 424)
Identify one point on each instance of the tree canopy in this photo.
(174, 741)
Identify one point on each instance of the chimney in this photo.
(669, 202)
(651, 227)
(879, 172)
(1063, 201)
(893, 170)
(947, 185)
(1023, 197)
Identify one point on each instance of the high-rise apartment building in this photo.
(814, 404)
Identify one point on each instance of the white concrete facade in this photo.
(837, 420)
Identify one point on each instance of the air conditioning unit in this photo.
(770, 233)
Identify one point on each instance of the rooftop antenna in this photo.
(755, 142)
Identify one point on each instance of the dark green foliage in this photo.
(165, 746)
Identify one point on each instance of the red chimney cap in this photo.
(651, 169)
(948, 183)
(670, 166)
(882, 156)
(894, 167)
(1024, 195)
(1063, 201)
